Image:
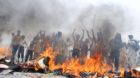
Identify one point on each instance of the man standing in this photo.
(15, 44)
(115, 50)
(59, 47)
(30, 50)
(37, 46)
(77, 44)
(14, 48)
(22, 46)
(85, 47)
(133, 47)
(68, 48)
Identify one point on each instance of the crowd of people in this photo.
(76, 46)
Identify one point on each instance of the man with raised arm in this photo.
(77, 44)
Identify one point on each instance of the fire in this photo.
(72, 67)
(122, 72)
(48, 53)
(91, 65)
(5, 52)
(1, 51)
(76, 66)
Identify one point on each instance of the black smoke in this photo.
(30, 16)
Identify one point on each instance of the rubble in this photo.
(4, 66)
(30, 75)
(137, 69)
(5, 72)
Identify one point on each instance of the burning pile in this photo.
(94, 66)
(100, 59)
(5, 52)
(74, 66)
(91, 65)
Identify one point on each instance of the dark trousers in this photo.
(21, 53)
(29, 55)
(76, 53)
(14, 50)
(115, 58)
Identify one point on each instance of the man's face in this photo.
(87, 41)
(13, 34)
(77, 37)
(130, 37)
(18, 32)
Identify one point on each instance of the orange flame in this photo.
(74, 66)
(91, 65)
(48, 53)
(5, 51)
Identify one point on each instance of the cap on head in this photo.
(59, 33)
(87, 40)
(68, 39)
(13, 34)
(130, 36)
(18, 31)
(77, 36)
(23, 36)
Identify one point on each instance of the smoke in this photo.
(30, 16)
(106, 18)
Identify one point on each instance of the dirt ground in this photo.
(6, 74)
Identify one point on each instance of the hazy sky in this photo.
(132, 8)
(66, 14)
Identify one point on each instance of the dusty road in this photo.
(7, 74)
